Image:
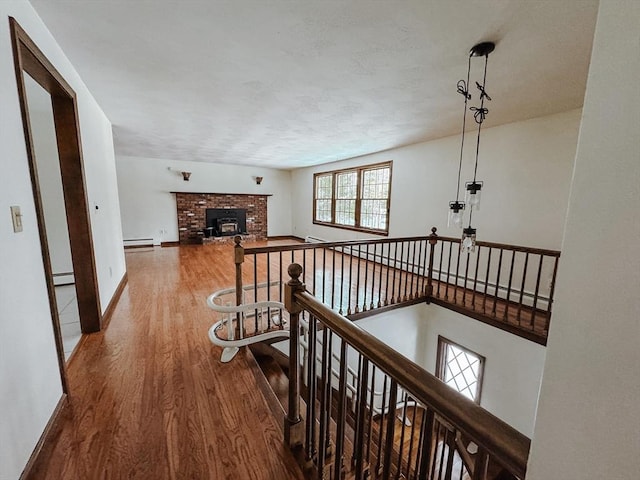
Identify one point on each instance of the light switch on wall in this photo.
(16, 217)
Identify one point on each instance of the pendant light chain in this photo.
(481, 113)
(463, 88)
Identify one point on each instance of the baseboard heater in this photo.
(138, 242)
(310, 239)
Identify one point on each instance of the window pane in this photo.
(323, 210)
(346, 212)
(461, 370)
(373, 214)
(375, 192)
(324, 186)
(346, 184)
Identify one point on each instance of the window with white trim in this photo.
(460, 368)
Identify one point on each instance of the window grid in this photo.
(356, 198)
(460, 368)
(375, 192)
(323, 194)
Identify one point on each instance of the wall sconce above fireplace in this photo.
(258, 180)
(185, 176)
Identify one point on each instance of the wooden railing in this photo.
(507, 286)
(416, 430)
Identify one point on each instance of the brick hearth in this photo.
(193, 206)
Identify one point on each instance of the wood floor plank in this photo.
(149, 398)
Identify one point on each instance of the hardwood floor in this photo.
(149, 398)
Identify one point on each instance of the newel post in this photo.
(293, 425)
(433, 240)
(238, 258)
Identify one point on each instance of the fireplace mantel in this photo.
(236, 194)
(192, 207)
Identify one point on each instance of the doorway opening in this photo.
(34, 69)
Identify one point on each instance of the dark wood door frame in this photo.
(28, 58)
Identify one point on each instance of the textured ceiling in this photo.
(284, 83)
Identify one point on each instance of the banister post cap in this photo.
(294, 270)
(434, 230)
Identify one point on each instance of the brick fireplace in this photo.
(192, 210)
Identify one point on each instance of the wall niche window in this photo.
(460, 368)
(355, 198)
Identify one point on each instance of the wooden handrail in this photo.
(506, 246)
(508, 446)
(345, 243)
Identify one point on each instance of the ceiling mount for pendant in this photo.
(482, 49)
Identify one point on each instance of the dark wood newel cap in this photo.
(294, 270)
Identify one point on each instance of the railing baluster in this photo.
(535, 295)
(349, 310)
(255, 293)
(373, 276)
(508, 299)
(439, 441)
(324, 277)
(341, 278)
(371, 407)
(466, 279)
(420, 275)
(366, 278)
(391, 423)
(475, 279)
(522, 286)
(358, 282)
(406, 272)
(395, 268)
(380, 276)
(496, 290)
(386, 285)
(268, 291)
(410, 460)
(446, 292)
(329, 393)
(312, 383)
(402, 432)
(325, 383)
(449, 437)
(440, 267)
(281, 275)
(455, 297)
(486, 281)
(313, 287)
(551, 292)
(362, 407)
(333, 278)
(383, 406)
(426, 444)
(341, 420)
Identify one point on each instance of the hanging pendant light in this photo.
(472, 195)
(473, 189)
(468, 243)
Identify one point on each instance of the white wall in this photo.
(43, 134)
(588, 422)
(513, 368)
(526, 167)
(30, 383)
(149, 210)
